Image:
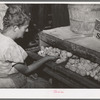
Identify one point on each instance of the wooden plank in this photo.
(60, 15)
(70, 83)
(76, 49)
(76, 77)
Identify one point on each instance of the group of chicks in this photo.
(76, 64)
(50, 51)
(84, 67)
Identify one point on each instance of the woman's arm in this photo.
(27, 70)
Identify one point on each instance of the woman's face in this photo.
(21, 31)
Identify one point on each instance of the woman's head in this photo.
(15, 17)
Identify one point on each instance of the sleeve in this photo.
(15, 54)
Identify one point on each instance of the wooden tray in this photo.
(72, 46)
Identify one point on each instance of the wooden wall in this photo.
(60, 15)
(51, 15)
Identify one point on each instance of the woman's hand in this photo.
(54, 58)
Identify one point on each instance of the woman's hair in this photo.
(15, 16)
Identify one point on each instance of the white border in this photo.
(50, 2)
(50, 93)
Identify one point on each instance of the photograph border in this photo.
(48, 94)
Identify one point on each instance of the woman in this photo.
(13, 70)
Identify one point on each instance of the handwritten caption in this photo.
(58, 91)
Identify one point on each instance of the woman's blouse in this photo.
(10, 54)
